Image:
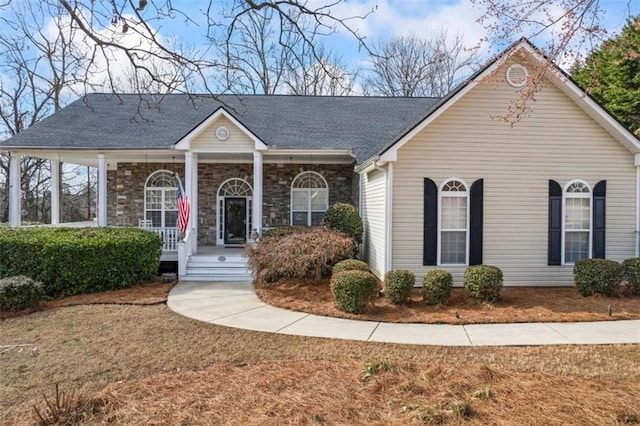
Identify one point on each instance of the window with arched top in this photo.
(454, 222)
(309, 199)
(160, 200)
(577, 221)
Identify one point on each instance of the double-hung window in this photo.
(454, 220)
(577, 221)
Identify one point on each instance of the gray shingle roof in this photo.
(104, 121)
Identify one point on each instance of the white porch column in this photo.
(55, 192)
(15, 199)
(193, 199)
(257, 192)
(102, 190)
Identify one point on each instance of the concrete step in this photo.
(236, 278)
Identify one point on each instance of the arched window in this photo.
(309, 199)
(454, 222)
(577, 221)
(160, 200)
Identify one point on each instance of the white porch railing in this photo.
(169, 237)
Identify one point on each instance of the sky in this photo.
(422, 18)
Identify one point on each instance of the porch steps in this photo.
(213, 267)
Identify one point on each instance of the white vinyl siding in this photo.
(373, 218)
(556, 140)
(237, 141)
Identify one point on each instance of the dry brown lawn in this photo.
(518, 304)
(143, 364)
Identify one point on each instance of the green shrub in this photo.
(597, 276)
(398, 284)
(436, 286)
(483, 282)
(19, 292)
(74, 260)
(631, 273)
(350, 265)
(344, 217)
(353, 290)
(307, 253)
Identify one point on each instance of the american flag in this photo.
(183, 207)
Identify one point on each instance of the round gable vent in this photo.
(222, 133)
(516, 75)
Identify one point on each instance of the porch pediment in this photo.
(221, 133)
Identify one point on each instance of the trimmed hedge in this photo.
(345, 217)
(398, 284)
(306, 253)
(350, 265)
(436, 286)
(631, 273)
(597, 276)
(353, 290)
(483, 282)
(19, 292)
(80, 260)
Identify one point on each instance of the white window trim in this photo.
(450, 194)
(308, 190)
(164, 190)
(564, 215)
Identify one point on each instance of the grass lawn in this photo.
(138, 364)
(518, 304)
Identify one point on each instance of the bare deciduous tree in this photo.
(571, 28)
(321, 75)
(410, 66)
(127, 27)
(37, 72)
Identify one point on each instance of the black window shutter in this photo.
(430, 249)
(475, 219)
(599, 219)
(554, 255)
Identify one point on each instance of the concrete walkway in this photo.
(236, 305)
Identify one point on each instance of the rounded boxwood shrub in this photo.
(350, 265)
(483, 282)
(398, 284)
(597, 276)
(353, 290)
(436, 286)
(19, 292)
(631, 273)
(345, 217)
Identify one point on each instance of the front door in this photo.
(235, 226)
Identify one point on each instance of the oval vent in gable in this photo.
(516, 75)
(222, 133)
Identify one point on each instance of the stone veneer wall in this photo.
(125, 188)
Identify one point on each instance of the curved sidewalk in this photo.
(234, 304)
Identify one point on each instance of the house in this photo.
(439, 182)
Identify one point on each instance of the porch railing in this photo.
(169, 237)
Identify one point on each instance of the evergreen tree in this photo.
(611, 74)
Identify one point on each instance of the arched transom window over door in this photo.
(309, 199)
(160, 200)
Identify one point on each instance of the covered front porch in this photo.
(235, 185)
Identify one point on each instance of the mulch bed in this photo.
(152, 293)
(518, 304)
